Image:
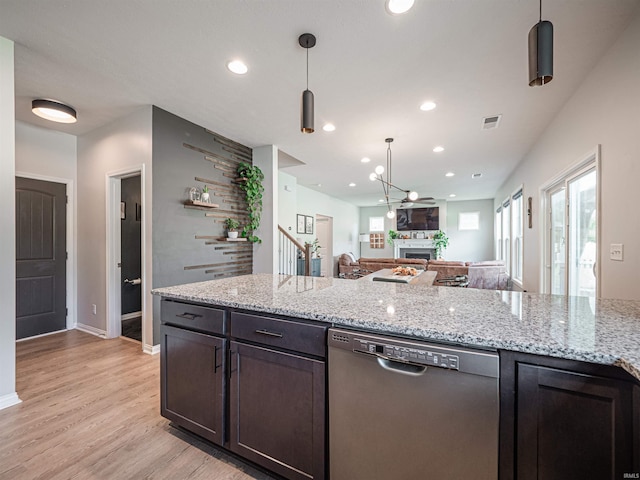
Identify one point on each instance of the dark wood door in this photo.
(192, 381)
(277, 411)
(572, 426)
(41, 270)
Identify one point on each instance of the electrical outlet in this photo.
(616, 251)
(93, 308)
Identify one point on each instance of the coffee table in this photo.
(425, 278)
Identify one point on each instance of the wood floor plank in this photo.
(91, 410)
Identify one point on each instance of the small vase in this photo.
(232, 234)
(205, 197)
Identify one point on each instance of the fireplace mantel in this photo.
(423, 245)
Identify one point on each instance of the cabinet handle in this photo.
(215, 359)
(269, 334)
(188, 316)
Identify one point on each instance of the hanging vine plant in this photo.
(251, 178)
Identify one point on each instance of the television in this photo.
(426, 218)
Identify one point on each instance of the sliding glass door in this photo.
(572, 236)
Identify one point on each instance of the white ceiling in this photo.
(369, 72)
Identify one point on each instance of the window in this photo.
(376, 224)
(517, 232)
(469, 221)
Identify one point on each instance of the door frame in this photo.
(72, 284)
(113, 280)
(590, 158)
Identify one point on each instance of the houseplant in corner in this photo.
(232, 227)
(440, 242)
(250, 182)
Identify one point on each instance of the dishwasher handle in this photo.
(401, 367)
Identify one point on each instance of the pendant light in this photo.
(541, 52)
(54, 111)
(307, 41)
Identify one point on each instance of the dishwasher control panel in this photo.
(403, 353)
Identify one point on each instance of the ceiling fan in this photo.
(411, 196)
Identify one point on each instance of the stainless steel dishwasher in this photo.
(401, 409)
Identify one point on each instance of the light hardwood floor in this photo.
(91, 410)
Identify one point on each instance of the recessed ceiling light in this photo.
(452, 195)
(238, 67)
(476, 175)
(318, 184)
(438, 149)
(397, 7)
(54, 111)
(352, 184)
(329, 127)
(381, 201)
(427, 106)
(365, 160)
(449, 174)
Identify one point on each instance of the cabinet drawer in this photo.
(193, 317)
(295, 336)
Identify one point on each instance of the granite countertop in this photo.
(576, 328)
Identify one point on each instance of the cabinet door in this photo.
(571, 425)
(277, 411)
(192, 381)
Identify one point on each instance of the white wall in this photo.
(302, 200)
(265, 255)
(122, 144)
(604, 110)
(8, 394)
(470, 245)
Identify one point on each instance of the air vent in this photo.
(489, 123)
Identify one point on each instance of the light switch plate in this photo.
(616, 251)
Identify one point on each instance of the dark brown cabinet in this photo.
(277, 396)
(193, 366)
(565, 419)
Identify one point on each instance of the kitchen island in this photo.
(569, 367)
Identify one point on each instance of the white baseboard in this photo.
(9, 400)
(92, 330)
(151, 350)
(129, 316)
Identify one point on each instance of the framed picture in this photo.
(309, 225)
(301, 225)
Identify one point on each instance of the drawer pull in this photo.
(269, 334)
(188, 316)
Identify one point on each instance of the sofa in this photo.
(348, 265)
(491, 274)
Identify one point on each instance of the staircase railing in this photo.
(288, 248)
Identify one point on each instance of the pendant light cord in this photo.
(540, 14)
(308, 60)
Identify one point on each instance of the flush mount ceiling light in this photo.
(238, 67)
(307, 41)
(387, 186)
(541, 52)
(54, 111)
(398, 7)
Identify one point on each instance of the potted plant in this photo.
(440, 242)
(392, 236)
(232, 227)
(205, 194)
(251, 178)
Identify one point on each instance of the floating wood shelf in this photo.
(235, 239)
(195, 203)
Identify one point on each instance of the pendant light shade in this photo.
(307, 41)
(306, 112)
(541, 52)
(54, 111)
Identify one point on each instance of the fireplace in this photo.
(425, 255)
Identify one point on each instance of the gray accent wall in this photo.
(183, 151)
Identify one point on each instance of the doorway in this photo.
(131, 250)
(571, 234)
(41, 257)
(126, 233)
(324, 234)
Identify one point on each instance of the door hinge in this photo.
(66, 312)
(66, 255)
(66, 199)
